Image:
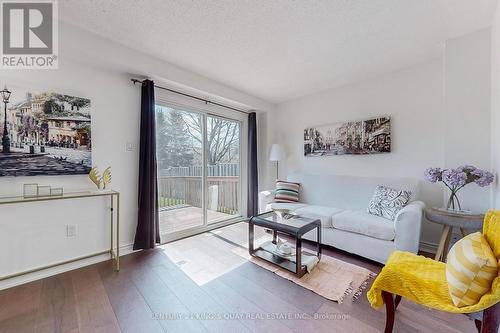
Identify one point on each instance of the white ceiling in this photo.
(283, 49)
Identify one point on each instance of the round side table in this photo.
(450, 220)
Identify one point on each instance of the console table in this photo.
(114, 219)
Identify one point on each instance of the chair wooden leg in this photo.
(397, 300)
(491, 319)
(389, 309)
(478, 325)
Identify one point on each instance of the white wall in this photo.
(495, 103)
(420, 103)
(33, 235)
(467, 108)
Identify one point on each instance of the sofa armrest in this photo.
(407, 224)
(265, 198)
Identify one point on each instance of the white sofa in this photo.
(340, 202)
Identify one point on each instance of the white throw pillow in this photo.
(387, 202)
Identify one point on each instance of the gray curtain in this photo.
(147, 233)
(253, 179)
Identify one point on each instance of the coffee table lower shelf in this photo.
(281, 261)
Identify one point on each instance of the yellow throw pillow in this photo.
(470, 269)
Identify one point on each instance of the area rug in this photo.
(331, 278)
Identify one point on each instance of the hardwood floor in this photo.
(155, 293)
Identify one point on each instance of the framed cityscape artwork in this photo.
(45, 133)
(372, 136)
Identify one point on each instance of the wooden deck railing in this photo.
(223, 193)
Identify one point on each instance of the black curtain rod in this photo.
(191, 96)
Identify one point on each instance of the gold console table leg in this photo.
(111, 250)
(117, 232)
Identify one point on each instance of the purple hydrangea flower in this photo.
(485, 178)
(478, 173)
(433, 174)
(466, 168)
(454, 177)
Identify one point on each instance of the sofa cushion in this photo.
(347, 192)
(365, 224)
(323, 213)
(284, 205)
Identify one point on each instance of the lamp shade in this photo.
(276, 153)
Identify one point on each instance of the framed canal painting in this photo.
(371, 136)
(44, 133)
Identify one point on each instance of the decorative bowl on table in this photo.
(284, 213)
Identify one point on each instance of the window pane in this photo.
(179, 142)
(223, 169)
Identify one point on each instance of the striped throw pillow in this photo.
(286, 191)
(470, 269)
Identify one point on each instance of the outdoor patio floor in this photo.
(185, 217)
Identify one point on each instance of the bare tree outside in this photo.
(222, 138)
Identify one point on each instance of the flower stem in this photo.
(453, 200)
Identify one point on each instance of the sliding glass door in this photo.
(199, 178)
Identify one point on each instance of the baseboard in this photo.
(18, 280)
(428, 247)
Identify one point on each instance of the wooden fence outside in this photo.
(217, 170)
(223, 192)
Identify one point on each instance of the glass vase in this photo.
(454, 202)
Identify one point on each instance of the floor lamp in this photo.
(276, 155)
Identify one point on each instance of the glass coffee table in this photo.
(294, 227)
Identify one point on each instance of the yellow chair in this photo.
(423, 281)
